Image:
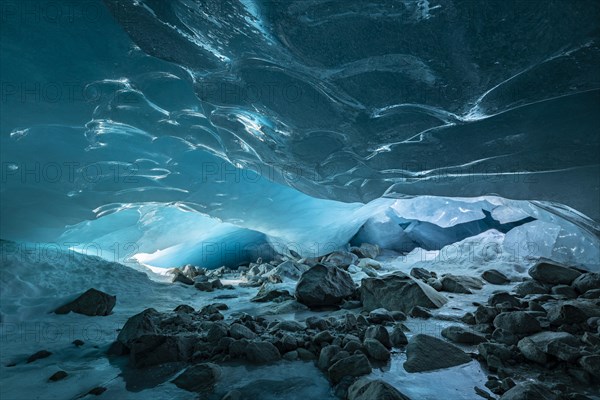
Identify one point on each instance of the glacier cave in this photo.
(300, 199)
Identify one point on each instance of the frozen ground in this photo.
(35, 284)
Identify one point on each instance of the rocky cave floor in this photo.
(345, 326)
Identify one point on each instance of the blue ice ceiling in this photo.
(151, 122)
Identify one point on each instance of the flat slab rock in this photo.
(92, 303)
(398, 292)
(555, 274)
(427, 353)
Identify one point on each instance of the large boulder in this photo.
(518, 322)
(427, 353)
(150, 350)
(93, 302)
(262, 352)
(199, 377)
(572, 311)
(555, 274)
(144, 323)
(365, 389)
(355, 365)
(324, 285)
(587, 281)
(398, 292)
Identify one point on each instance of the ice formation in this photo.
(291, 136)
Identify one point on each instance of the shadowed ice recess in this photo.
(202, 131)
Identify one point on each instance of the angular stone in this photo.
(495, 277)
(379, 333)
(531, 287)
(587, 281)
(529, 391)
(398, 292)
(460, 284)
(427, 353)
(355, 365)
(262, 352)
(552, 273)
(324, 286)
(517, 322)
(398, 338)
(458, 334)
(365, 389)
(239, 331)
(199, 377)
(326, 355)
(376, 350)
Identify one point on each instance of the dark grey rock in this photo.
(58, 376)
(427, 353)
(262, 352)
(505, 337)
(199, 377)
(517, 322)
(217, 331)
(184, 309)
(149, 350)
(92, 303)
(323, 337)
(458, 334)
(419, 312)
(355, 365)
(564, 290)
(591, 364)
(495, 277)
(268, 293)
(531, 287)
(460, 283)
(305, 355)
(239, 331)
(529, 391)
(485, 315)
(531, 352)
(587, 281)
(365, 389)
(504, 298)
(342, 259)
(398, 292)
(560, 313)
(288, 326)
(379, 333)
(38, 356)
(421, 274)
(181, 278)
(326, 355)
(380, 315)
(552, 273)
(397, 337)
(376, 350)
(324, 285)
